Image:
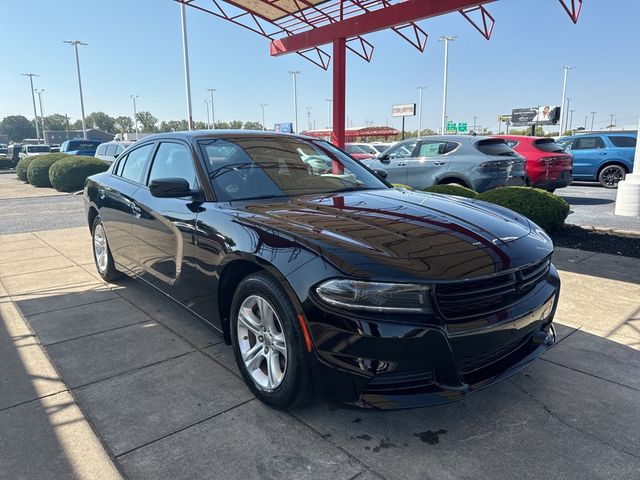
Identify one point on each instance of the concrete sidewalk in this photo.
(103, 381)
(11, 187)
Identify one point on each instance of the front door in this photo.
(164, 229)
(394, 161)
(429, 164)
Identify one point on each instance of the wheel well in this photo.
(93, 213)
(230, 278)
(608, 164)
(448, 180)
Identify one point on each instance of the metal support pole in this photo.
(612, 115)
(571, 119)
(446, 39)
(295, 99)
(329, 108)
(474, 124)
(33, 99)
(262, 105)
(135, 115)
(420, 111)
(564, 96)
(212, 91)
(75, 44)
(593, 116)
(185, 54)
(208, 116)
(403, 127)
(566, 118)
(40, 92)
(339, 91)
(308, 118)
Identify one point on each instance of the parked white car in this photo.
(31, 150)
(109, 151)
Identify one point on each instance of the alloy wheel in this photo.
(612, 175)
(100, 248)
(262, 342)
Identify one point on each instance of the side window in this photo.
(173, 160)
(511, 143)
(432, 148)
(585, 143)
(101, 150)
(135, 162)
(451, 146)
(623, 141)
(402, 151)
(111, 150)
(119, 149)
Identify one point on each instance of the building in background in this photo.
(56, 137)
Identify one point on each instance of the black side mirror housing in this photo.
(170, 188)
(380, 173)
(383, 159)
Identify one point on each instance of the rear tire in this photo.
(102, 253)
(268, 343)
(610, 175)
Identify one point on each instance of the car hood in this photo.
(418, 233)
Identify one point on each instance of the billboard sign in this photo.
(547, 115)
(283, 128)
(404, 110)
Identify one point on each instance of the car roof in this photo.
(201, 134)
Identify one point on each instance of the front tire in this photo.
(268, 343)
(102, 253)
(610, 176)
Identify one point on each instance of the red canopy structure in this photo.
(304, 26)
(353, 133)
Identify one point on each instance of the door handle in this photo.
(136, 210)
(602, 153)
(402, 164)
(438, 163)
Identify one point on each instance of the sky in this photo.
(135, 47)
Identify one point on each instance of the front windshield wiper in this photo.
(259, 197)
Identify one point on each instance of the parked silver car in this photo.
(109, 151)
(479, 163)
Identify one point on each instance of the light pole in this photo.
(263, 105)
(446, 39)
(33, 99)
(40, 92)
(420, 110)
(566, 116)
(212, 92)
(308, 118)
(474, 124)
(564, 96)
(571, 119)
(185, 55)
(295, 99)
(75, 44)
(593, 116)
(208, 116)
(135, 114)
(612, 115)
(329, 108)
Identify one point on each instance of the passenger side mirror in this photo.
(380, 173)
(170, 188)
(384, 158)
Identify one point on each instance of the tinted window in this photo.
(548, 145)
(584, 143)
(135, 162)
(401, 151)
(623, 141)
(111, 150)
(495, 146)
(281, 167)
(38, 148)
(173, 160)
(451, 146)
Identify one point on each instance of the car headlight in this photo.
(375, 296)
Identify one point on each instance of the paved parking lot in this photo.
(113, 380)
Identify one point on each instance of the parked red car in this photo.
(548, 166)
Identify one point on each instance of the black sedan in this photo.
(323, 277)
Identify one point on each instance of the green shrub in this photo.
(5, 163)
(400, 185)
(22, 166)
(69, 174)
(38, 169)
(458, 190)
(543, 208)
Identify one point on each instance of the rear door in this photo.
(395, 161)
(429, 163)
(165, 228)
(589, 152)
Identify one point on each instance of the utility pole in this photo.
(446, 39)
(66, 117)
(474, 124)
(212, 91)
(612, 115)
(564, 96)
(208, 117)
(75, 44)
(295, 99)
(263, 105)
(185, 55)
(420, 111)
(329, 105)
(40, 92)
(571, 119)
(593, 116)
(33, 99)
(135, 114)
(308, 118)
(566, 117)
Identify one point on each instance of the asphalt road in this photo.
(41, 213)
(593, 205)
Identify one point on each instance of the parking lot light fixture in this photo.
(185, 55)
(40, 92)
(75, 44)
(206, 101)
(421, 89)
(446, 39)
(33, 99)
(611, 124)
(212, 92)
(564, 96)
(295, 74)
(135, 114)
(593, 116)
(329, 108)
(628, 193)
(263, 105)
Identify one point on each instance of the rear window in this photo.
(495, 147)
(548, 145)
(623, 141)
(38, 148)
(82, 145)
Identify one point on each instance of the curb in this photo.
(633, 233)
(8, 171)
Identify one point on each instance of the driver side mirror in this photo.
(170, 188)
(384, 158)
(380, 173)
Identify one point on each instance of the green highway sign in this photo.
(462, 127)
(451, 127)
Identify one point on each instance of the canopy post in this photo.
(339, 91)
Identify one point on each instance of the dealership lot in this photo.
(115, 380)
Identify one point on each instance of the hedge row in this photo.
(5, 163)
(65, 173)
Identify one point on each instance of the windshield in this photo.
(350, 148)
(38, 148)
(267, 167)
(82, 145)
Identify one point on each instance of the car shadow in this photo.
(587, 201)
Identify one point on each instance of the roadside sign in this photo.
(462, 127)
(283, 128)
(404, 110)
(452, 127)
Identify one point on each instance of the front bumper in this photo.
(389, 365)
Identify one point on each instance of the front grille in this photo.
(400, 383)
(475, 362)
(473, 298)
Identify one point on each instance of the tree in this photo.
(222, 126)
(77, 125)
(55, 121)
(102, 121)
(252, 126)
(123, 124)
(17, 127)
(200, 126)
(147, 121)
(235, 124)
